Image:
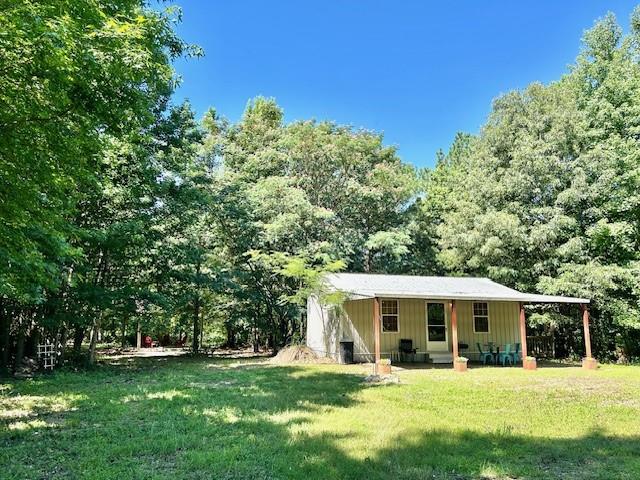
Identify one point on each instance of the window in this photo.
(480, 317)
(389, 316)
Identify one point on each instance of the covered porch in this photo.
(463, 342)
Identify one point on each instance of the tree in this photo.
(546, 197)
(78, 80)
(301, 199)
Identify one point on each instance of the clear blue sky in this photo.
(417, 71)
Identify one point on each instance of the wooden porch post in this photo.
(527, 363)
(588, 362)
(454, 330)
(376, 333)
(585, 326)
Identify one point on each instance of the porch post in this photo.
(523, 339)
(585, 326)
(588, 362)
(376, 333)
(454, 330)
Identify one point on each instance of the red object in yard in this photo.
(146, 341)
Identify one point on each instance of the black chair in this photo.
(406, 348)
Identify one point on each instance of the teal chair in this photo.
(506, 355)
(516, 354)
(484, 356)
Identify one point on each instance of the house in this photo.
(438, 315)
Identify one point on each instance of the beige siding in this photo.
(357, 325)
(323, 328)
(503, 326)
(411, 324)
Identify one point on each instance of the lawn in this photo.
(227, 419)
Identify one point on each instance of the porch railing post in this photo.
(585, 326)
(454, 329)
(588, 362)
(523, 332)
(376, 333)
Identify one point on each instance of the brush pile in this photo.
(26, 368)
(298, 354)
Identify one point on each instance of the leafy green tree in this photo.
(546, 197)
(301, 199)
(79, 80)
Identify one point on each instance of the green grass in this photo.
(203, 418)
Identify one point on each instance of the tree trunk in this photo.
(231, 336)
(95, 332)
(99, 281)
(5, 337)
(274, 336)
(19, 343)
(78, 337)
(123, 336)
(256, 339)
(283, 335)
(196, 324)
(34, 340)
(201, 332)
(63, 343)
(367, 261)
(138, 336)
(196, 312)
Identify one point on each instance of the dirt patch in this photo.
(236, 353)
(131, 353)
(298, 354)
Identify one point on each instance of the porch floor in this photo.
(448, 366)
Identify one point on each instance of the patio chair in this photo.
(516, 354)
(484, 356)
(506, 355)
(406, 348)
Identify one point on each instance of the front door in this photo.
(436, 328)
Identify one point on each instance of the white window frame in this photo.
(397, 315)
(488, 316)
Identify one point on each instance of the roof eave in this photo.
(520, 298)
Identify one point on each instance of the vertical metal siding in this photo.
(503, 326)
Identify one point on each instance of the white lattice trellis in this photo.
(47, 355)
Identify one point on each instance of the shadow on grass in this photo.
(198, 419)
(470, 455)
(543, 363)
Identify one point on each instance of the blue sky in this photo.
(417, 71)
